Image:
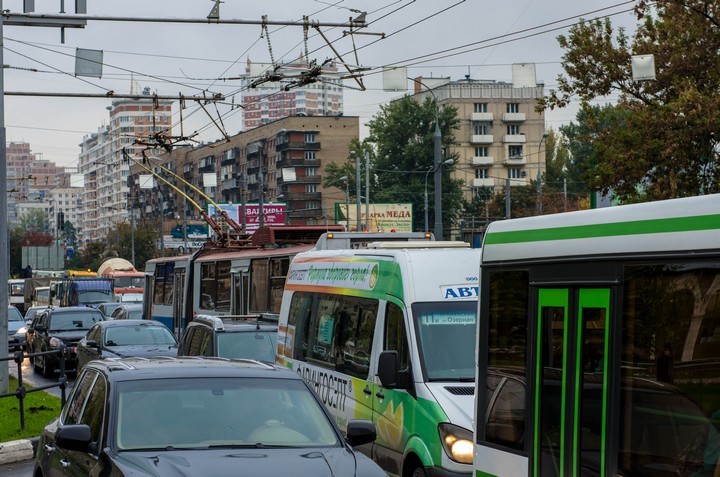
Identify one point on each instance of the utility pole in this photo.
(438, 179)
(539, 176)
(367, 191)
(357, 189)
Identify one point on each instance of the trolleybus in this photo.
(599, 343)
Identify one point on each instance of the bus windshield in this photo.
(129, 282)
(446, 332)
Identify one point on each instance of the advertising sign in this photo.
(383, 217)
(275, 214)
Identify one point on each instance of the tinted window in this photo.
(74, 321)
(508, 318)
(334, 330)
(94, 411)
(396, 335)
(74, 407)
(259, 345)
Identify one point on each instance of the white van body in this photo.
(349, 316)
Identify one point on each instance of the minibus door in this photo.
(570, 382)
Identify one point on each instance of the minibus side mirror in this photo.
(388, 369)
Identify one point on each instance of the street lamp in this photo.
(539, 176)
(434, 168)
(437, 137)
(347, 201)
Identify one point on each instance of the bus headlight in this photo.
(457, 442)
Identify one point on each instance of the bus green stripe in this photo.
(635, 227)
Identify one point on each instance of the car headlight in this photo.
(21, 331)
(55, 342)
(457, 442)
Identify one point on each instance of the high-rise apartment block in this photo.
(106, 157)
(269, 101)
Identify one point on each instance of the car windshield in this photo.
(260, 345)
(138, 335)
(447, 339)
(94, 297)
(199, 413)
(74, 321)
(14, 314)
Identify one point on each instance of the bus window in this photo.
(222, 301)
(208, 286)
(259, 277)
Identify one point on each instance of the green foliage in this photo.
(35, 221)
(403, 135)
(120, 242)
(15, 236)
(661, 138)
(40, 408)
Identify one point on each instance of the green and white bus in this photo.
(599, 343)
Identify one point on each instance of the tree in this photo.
(403, 136)
(660, 140)
(119, 241)
(35, 221)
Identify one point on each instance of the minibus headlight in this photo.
(457, 442)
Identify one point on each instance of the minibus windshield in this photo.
(446, 331)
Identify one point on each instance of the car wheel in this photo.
(36, 367)
(419, 472)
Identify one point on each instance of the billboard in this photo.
(383, 217)
(274, 214)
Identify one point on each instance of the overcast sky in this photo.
(442, 38)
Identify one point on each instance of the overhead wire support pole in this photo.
(36, 19)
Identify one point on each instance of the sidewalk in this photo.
(16, 451)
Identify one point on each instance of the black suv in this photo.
(55, 329)
(228, 337)
(198, 416)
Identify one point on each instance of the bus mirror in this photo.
(388, 369)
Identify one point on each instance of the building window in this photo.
(481, 108)
(515, 172)
(515, 152)
(481, 151)
(513, 107)
(310, 155)
(311, 188)
(513, 129)
(482, 173)
(309, 137)
(481, 129)
(312, 205)
(311, 171)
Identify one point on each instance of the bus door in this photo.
(570, 392)
(239, 293)
(178, 311)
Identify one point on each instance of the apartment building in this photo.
(106, 157)
(264, 102)
(283, 160)
(500, 139)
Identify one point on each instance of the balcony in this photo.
(483, 182)
(230, 184)
(206, 168)
(308, 180)
(515, 161)
(298, 162)
(514, 117)
(306, 196)
(481, 139)
(514, 138)
(482, 161)
(305, 213)
(486, 117)
(304, 146)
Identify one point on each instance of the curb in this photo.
(16, 451)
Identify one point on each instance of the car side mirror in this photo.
(40, 328)
(28, 323)
(360, 432)
(76, 437)
(389, 369)
(92, 344)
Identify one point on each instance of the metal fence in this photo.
(21, 391)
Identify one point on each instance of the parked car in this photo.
(57, 328)
(16, 329)
(108, 307)
(230, 338)
(125, 338)
(127, 311)
(190, 416)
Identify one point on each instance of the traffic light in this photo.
(61, 221)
